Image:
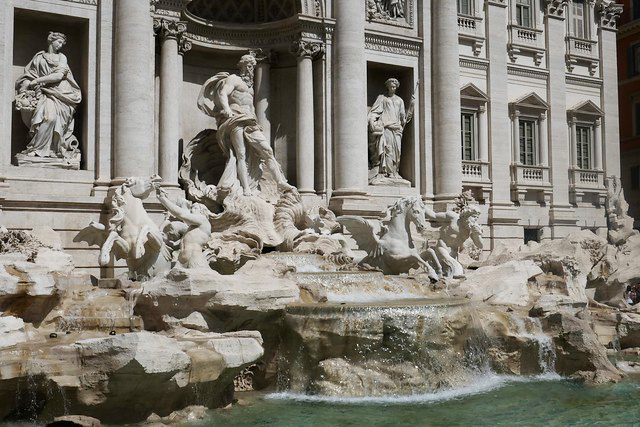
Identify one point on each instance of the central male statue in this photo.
(229, 99)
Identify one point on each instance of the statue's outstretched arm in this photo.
(181, 213)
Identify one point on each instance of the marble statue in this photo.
(392, 250)
(47, 96)
(229, 99)
(387, 120)
(456, 226)
(620, 224)
(385, 9)
(130, 234)
(194, 232)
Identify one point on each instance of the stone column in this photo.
(483, 132)
(447, 160)
(597, 145)
(562, 217)
(169, 32)
(184, 46)
(262, 83)
(133, 144)
(515, 122)
(305, 52)
(609, 14)
(573, 144)
(350, 98)
(543, 140)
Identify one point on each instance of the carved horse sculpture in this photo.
(131, 233)
(393, 250)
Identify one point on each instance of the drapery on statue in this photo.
(229, 99)
(456, 227)
(47, 96)
(387, 120)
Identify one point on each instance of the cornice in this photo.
(390, 44)
(515, 70)
(583, 81)
(473, 63)
(87, 2)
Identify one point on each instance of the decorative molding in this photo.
(609, 13)
(378, 12)
(307, 49)
(527, 72)
(584, 81)
(88, 2)
(169, 29)
(555, 8)
(382, 43)
(184, 45)
(474, 64)
(499, 3)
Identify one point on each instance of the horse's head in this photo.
(414, 210)
(142, 187)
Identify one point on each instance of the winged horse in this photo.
(392, 250)
(131, 233)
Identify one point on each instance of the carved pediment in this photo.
(471, 92)
(531, 101)
(586, 108)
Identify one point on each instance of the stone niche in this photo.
(31, 29)
(377, 74)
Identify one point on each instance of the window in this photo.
(577, 19)
(635, 178)
(467, 134)
(636, 117)
(531, 235)
(583, 147)
(465, 7)
(633, 59)
(635, 9)
(524, 13)
(528, 141)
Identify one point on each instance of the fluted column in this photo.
(573, 143)
(261, 85)
(446, 100)
(184, 46)
(133, 143)
(305, 52)
(543, 140)
(350, 110)
(515, 122)
(483, 133)
(597, 145)
(168, 33)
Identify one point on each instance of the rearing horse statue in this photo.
(392, 250)
(130, 234)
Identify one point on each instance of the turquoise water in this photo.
(492, 400)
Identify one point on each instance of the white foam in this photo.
(481, 385)
(370, 297)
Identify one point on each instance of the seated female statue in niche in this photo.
(47, 96)
(387, 119)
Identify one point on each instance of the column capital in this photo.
(597, 122)
(482, 108)
(608, 14)
(184, 45)
(543, 116)
(268, 56)
(168, 29)
(555, 8)
(307, 49)
(515, 114)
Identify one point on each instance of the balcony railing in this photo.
(582, 48)
(475, 171)
(467, 23)
(587, 179)
(526, 178)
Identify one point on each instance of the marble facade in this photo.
(321, 64)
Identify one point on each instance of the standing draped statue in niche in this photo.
(387, 120)
(46, 97)
(229, 99)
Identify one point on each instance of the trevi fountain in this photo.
(243, 304)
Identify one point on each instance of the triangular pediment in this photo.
(531, 100)
(473, 93)
(586, 108)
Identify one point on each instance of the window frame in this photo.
(474, 134)
(532, 150)
(584, 149)
(470, 3)
(584, 28)
(519, 6)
